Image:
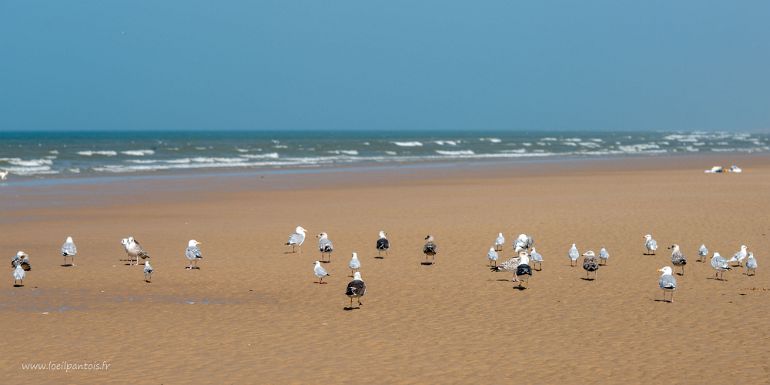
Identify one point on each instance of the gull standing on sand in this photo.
(325, 246)
(296, 239)
(147, 271)
(21, 259)
(499, 242)
(751, 265)
(68, 249)
(537, 260)
(430, 249)
(518, 265)
(354, 263)
(320, 272)
(603, 256)
(382, 244)
(719, 264)
(523, 242)
(650, 244)
(18, 275)
(573, 255)
(590, 264)
(193, 254)
(677, 258)
(667, 282)
(356, 289)
(703, 253)
(134, 250)
(492, 256)
(739, 256)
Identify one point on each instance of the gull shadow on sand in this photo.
(350, 308)
(379, 257)
(588, 279)
(503, 280)
(663, 300)
(325, 261)
(67, 265)
(18, 285)
(520, 288)
(426, 263)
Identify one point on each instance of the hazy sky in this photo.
(361, 64)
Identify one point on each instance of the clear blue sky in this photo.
(566, 65)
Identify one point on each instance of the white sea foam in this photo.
(138, 152)
(408, 144)
(491, 140)
(55, 152)
(102, 153)
(280, 146)
(391, 152)
(270, 155)
(343, 152)
(641, 148)
(455, 153)
(241, 150)
(30, 163)
(445, 142)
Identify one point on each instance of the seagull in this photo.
(667, 282)
(677, 258)
(589, 263)
(537, 259)
(573, 255)
(650, 244)
(296, 239)
(354, 263)
(720, 265)
(492, 256)
(320, 272)
(356, 289)
(739, 256)
(523, 270)
(3, 175)
(751, 265)
(499, 242)
(703, 252)
(325, 246)
(18, 275)
(147, 271)
(603, 256)
(21, 259)
(382, 244)
(523, 242)
(68, 249)
(430, 249)
(134, 250)
(193, 253)
(516, 265)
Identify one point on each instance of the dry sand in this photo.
(253, 314)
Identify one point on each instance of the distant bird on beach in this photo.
(320, 272)
(589, 264)
(603, 256)
(193, 254)
(573, 255)
(296, 239)
(492, 256)
(68, 249)
(739, 256)
(523, 270)
(3, 175)
(499, 242)
(134, 250)
(751, 265)
(537, 260)
(21, 259)
(677, 258)
(703, 253)
(382, 244)
(325, 247)
(523, 242)
(719, 264)
(650, 244)
(18, 275)
(354, 263)
(667, 282)
(513, 266)
(147, 271)
(356, 289)
(430, 249)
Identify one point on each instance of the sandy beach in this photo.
(254, 314)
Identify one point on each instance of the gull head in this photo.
(573, 246)
(21, 254)
(300, 230)
(147, 263)
(743, 247)
(429, 238)
(716, 254)
(193, 243)
(357, 276)
(131, 240)
(523, 253)
(674, 247)
(499, 234)
(382, 234)
(666, 270)
(355, 256)
(322, 236)
(317, 263)
(124, 241)
(648, 237)
(751, 255)
(69, 240)
(491, 249)
(523, 237)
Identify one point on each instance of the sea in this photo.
(43, 155)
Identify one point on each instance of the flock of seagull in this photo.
(521, 265)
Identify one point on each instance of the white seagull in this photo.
(703, 253)
(667, 282)
(603, 256)
(22, 259)
(677, 258)
(356, 289)
(650, 244)
(325, 246)
(523, 242)
(739, 256)
(751, 265)
(296, 239)
(499, 242)
(134, 250)
(573, 255)
(320, 272)
(720, 265)
(354, 263)
(492, 256)
(193, 254)
(18, 275)
(537, 260)
(68, 249)
(147, 271)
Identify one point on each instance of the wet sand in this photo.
(254, 314)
